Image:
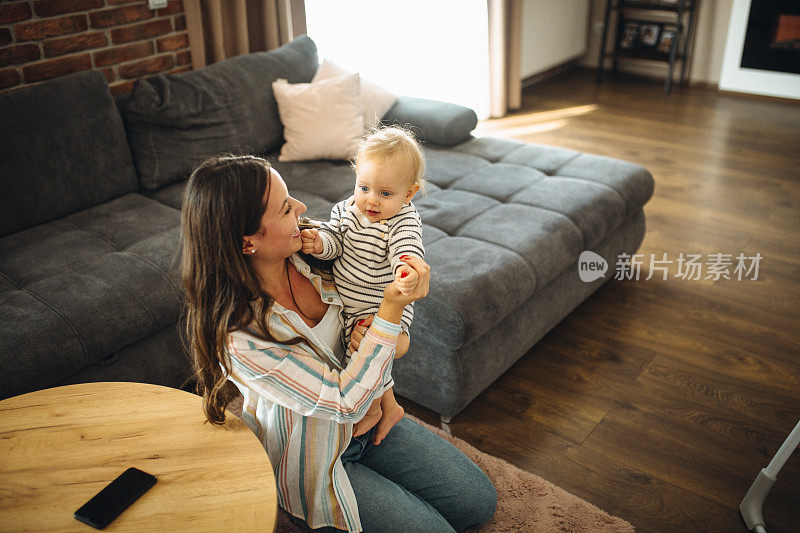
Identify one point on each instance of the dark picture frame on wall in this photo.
(771, 41)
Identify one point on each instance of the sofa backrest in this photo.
(175, 121)
(62, 149)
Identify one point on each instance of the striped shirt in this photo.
(366, 255)
(303, 410)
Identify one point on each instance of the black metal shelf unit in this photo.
(648, 37)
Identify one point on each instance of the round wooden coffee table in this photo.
(59, 447)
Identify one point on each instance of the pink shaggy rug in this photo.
(525, 502)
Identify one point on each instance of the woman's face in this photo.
(278, 237)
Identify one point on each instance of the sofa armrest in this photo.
(433, 121)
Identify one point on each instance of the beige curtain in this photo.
(505, 43)
(225, 28)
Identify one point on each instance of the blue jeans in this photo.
(416, 481)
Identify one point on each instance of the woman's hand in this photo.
(359, 330)
(406, 277)
(421, 271)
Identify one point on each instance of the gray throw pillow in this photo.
(433, 121)
(175, 121)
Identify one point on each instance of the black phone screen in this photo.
(117, 496)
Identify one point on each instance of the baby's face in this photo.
(381, 190)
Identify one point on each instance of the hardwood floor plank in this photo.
(667, 376)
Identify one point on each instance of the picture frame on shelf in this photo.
(648, 34)
(630, 36)
(666, 39)
(650, 30)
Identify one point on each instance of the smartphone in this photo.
(117, 496)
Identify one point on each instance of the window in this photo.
(437, 50)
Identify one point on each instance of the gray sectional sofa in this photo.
(90, 209)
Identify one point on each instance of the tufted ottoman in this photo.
(503, 225)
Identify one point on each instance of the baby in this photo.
(368, 237)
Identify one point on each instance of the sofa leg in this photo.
(446, 419)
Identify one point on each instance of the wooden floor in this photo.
(660, 401)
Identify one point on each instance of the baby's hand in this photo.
(406, 278)
(312, 242)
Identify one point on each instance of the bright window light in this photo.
(428, 49)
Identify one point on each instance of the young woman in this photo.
(262, 323)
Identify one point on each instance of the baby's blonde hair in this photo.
(393, 145)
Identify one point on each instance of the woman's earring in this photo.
(252, 251)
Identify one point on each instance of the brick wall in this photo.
(124, 39)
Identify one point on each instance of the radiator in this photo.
(553, 33)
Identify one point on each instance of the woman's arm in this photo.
(293, 378)
(360, 329)
(290, 376)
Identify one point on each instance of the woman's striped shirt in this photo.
(303, 410)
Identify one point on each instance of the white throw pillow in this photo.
(321, 120)
(376, 100)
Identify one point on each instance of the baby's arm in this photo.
(326, 242)
(405, 239)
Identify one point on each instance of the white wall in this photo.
(709, 44)
(553, 32)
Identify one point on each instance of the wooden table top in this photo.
(61, 446)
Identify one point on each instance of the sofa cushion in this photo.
(499, 198)
(160, 359)
(79, 288)
(175, 121)
(62, 149)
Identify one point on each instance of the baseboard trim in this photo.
(707, 85)
(759, 97)
(550, 73)
(574, 65)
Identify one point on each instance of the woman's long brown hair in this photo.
(223, 202)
